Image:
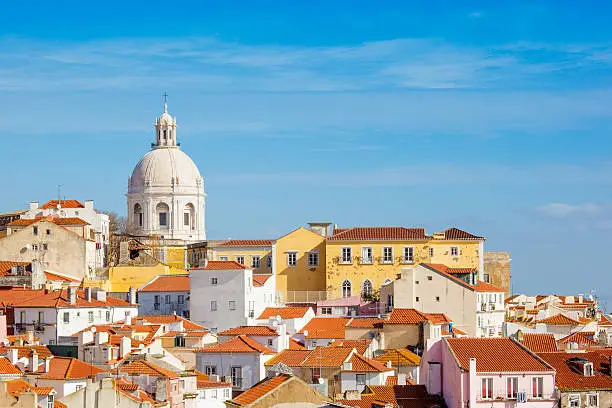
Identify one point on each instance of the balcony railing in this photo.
(502, 395)
(305, 296)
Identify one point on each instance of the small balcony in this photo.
(520, 396)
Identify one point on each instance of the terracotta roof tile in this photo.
(363, 322)
(604, 321)
(379, 234)
(140, 367)
(64, 204)
(578, 337)
(289, 357)
(16, 387)
(26, 351)
(247, 243)
(238, 344)
(213, 384)
(167, 283)
(260, 280)
(457, 234)
(296, 345)
(327, 357)
(399, 358)
(559, 320)
(539, 342)
(56, 277)
(570, 378)
(479, 287)
(6, 368)
(69, 368)
(249, 331)
(360, 345)
(6, 266)
(167, 319)
(59, 298)
(494, 355)
(220, 266)
(325, 328)
(363, 364)
(261, 389)
(406, 316)
(56, 220)
(284, 312)
(14, 296)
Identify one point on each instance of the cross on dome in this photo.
(165, 128)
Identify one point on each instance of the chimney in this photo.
(401, 379)
(29, 337)
(347, 366)
(47, 364)
(33, 361)
(389, 364)
(88, 294)
(72, 295)
(352, 395)
(89, 204)
(215, 378)
(128, 319)
(132, 295)
(580, 297)
(33, 205)
(125, 346)
(101, 337)
(100, 295)
(13, 355)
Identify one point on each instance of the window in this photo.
(315, 373)
(361, 380)
(588, 369)
(226, 393)
(430, 277)
(573, 400)
(232, 305)
(44, 247)
(487, 388)
(592, 400)
(511, 387)
(537, 384)
(240, 259)
(346, 255)
(291, 258)
(313, 258)
(90, 317)
(270, 342)
(163, 219)
(269, 261)
(48, 232)
(108, 316)
(387, 254)
(181, 299)
(326, 310)
(346, 289)
(35, 230)
(210, 370)
(417, 299)
(431, 251)
(213, 394)
(35, 247)
(214, 281)
(437, 298)
(167, 299)
(255, 261)
(367, 290)
(485, 277)
(236, 374)
(223, 258)
(66, 317)
(366, 255)
(179, 341)
(140, 219)
(186, 220)
(408, 255)
(50, 402)
(41, 317)
(454, 251)
(213, 305)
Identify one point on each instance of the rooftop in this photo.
(288, 312)
(238, 344)
(539, 342)
(167, 283)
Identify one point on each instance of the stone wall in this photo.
(497, 267)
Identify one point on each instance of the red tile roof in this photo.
(284, 312)
(454, 234)
(494, 355)
(327, 357)
(539, 342)
(399, 358)
(16, 387)
(363, 364)
(167, 319)
(247, 243)
(167, 283)
(69, 368)
(260, 280)
(221, 265)
(6, 266)
(249, 331)
(13, 296)
(360, 345)
(56, 277)
(458, 271)
(559, 320)
(26, 351)
(238, 344)
(289, 357)
(450, 272)
(56, 220)
(64, 204)
(569, 377)
(580, 338)
(59, 298)
(325, 328)
(379, 234)
(363, 322)
(604, 321)
(413, 316)
(261, 389)
(140, 367)
(6, 368)
(296, 345)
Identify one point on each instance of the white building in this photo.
(229, 295)
(57, 315)
(85, 211)
(475, 307)
(166, 191)
(165, 295)
(294, 317)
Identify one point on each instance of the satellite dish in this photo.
(93, 329)
(28, 246)
(321, 380)
(278, 318)
(305, 333)
(275, 324)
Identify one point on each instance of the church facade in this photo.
(165, 198)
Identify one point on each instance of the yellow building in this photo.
(254, 253)
(121, 278)
(362, 259)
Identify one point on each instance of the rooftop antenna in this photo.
(165, 95)
(59, 194)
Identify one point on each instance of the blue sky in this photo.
(493, 117)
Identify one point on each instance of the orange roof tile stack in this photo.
(59, 298)
(167, 319)
(539, 342)
(296, 345)
(26, 351)
(379, 234)
(455, 234)
(327, 357)
(6, 266)
(6, 368)
(363, 323)
(361, 364)
(399, 358)
(16, 387)
(167, 283)
(260, 280)
(289, 357)
(288, 312)
(140, 367)
(579, 337)
(559, 320)
(64, 204)
(494, 355)
(325, 328)
(238, 344)
(69, 368)
(360, 345)
(249, 331)
(56, 220)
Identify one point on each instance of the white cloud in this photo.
(562, 210)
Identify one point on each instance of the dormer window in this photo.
(588, 369)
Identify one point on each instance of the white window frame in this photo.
(255, 261)
(231, 305)
(592, 395)
(346, 255)
(240, 259)
(363, 379)
(367, 255)
(511, 391)
(349, 287)
(431, 252)
(292, 258)
(454, 251)
(384, 258)
(313, 258)
(214, 281)
(224, 258)
(537, 387)
(408, 254)
(213, 305)
(573, 398)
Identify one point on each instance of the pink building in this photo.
(487, 372)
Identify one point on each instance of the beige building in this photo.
(497, 269)
(64, 245)
(475, 307)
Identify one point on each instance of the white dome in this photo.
(166, 169)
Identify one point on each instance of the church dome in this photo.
(165, 168)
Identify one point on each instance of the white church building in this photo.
(166, 191)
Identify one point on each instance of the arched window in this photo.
(189, 217)
(367, 290)
(138, 215)
(387, 281)
(162, 211)
(346, 288)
